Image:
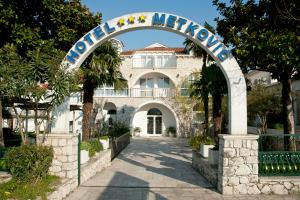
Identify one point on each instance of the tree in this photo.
(23, 81)
(261, 102)
(201, 53)
(29, 24)
(49, 82)
(263, 38)
(101, 67)
(213, 81)
(12, 84)
(26, 23)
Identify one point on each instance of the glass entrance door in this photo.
(158, 125)
(154, 122)
(150, 125)
(154, 125)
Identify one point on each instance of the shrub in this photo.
(85, 145)
(196, 141)
(91, 146)
(29, 162)
(96, 145)
(118, 128)
(3, 165)
(170, 131)
(104, 137)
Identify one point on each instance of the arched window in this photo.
(112, 112)
(154, 111)
(187, 82)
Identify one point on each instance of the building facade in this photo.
(256, 76)
(155, 74)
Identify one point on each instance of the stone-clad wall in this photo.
(96, 164)
(279, 185)
(238, 169)
(65, 161)
(202, 165)
(238, 164)
(64, 164)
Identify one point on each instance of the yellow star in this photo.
(142, 18)
(131, 20)
(121, 22)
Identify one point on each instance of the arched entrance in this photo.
(236, 146)
(153, 118)
(154, 122)
(237, 105)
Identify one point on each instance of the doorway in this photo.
(154, 122)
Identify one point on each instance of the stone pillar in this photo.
(65, 161)
(238, 164)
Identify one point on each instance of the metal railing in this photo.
(137, 92)
(152, 92)
(279, 155)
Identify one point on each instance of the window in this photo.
(109, 90)
(146, 83)
(154, 61)
(71, 127)
(150, 61)
(163, 83)
(154, 111)
(159, 61)
(112, 112)
(184, 91)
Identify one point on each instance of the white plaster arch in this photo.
(150, 72)
(237, 106)
(154, 102)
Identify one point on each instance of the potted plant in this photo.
(104, 141)
(213, 155)
(84, 152)
(205, 145)
(171, 131)
(136, 131)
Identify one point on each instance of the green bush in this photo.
(29, 162)
(196, 141)
(170, 131)
(96, 145)
(91, 146)
(85, 145)
(104, 137)
(3, 165)
(118, 128)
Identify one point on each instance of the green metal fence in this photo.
(279, 155)
(2, 162)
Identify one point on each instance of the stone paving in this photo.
(154, 169)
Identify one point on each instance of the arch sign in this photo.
(169, 22)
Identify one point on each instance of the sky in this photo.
(196, 10)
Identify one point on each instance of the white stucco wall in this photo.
(185, 66)
(140, 118)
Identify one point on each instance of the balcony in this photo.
(136, 92)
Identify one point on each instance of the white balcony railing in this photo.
(136, 92)
(152, 92)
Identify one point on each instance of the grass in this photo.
(27, 190)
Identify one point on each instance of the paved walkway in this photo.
(153, 169)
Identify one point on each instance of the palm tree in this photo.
(213, 82)
(101, 67)
(201, 53)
